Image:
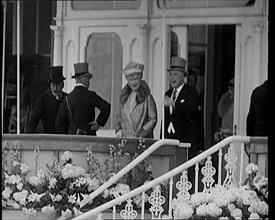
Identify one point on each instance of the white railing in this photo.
(230, 157)
(131, 165)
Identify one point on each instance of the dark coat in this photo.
(183, 117)
(256, 121)
(45, 110)
(82, 104)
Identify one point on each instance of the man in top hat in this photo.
(181, 106)
(76, 114)
(48, 103)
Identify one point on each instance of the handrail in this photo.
(165, 177)
(130, 166)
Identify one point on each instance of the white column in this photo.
(58, 45)
(144, 31)
(258, 31)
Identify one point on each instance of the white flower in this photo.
(15, 163)
(254, 216)
(6, 193)
(58, 198)
(52, 183)
(106, 193)
(183, 211)
(93, 184)
(48, 210)
(15, 205)
(72, 199)
(199, 198)
(4, 204)
(40, 174)
(213, 210)
(19, 186)
(35, 180)
(66, 156)
(13, 179)
(251, 168)
(29, 212)
(77, 212)
(24, 168)
(21, 196)
(237, 213)
(66, 214)
(122, 188)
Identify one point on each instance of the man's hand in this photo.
(168, 101)
(94, 125)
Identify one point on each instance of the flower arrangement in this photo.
(58, 191)
(247, 202)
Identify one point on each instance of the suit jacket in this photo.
(82, 103)
(256, 121)
(184, 117)
(45, 110)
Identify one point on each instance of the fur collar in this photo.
(142, 93)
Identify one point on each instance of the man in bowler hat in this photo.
(76, 114)
(48, 103)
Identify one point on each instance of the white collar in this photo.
(80, 84)
(179, 88)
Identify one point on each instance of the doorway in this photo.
(211, 55)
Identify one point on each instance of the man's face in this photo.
(134, 80)
(192, 81)
(176, 78)
(56, 88)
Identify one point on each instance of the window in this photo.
(105, 5)
(104, 54)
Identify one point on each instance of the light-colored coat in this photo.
(142, 119)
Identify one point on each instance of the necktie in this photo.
(174, 96)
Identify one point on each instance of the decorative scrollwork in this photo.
(208, 172)
(230, 167)
(183, 185)
(156, 200)
(128, 212)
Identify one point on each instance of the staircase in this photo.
(222, 165)
(235, 146)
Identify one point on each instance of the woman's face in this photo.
(134, 80)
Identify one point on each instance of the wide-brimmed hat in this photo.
(56, 74)
(177, 63)
(133, 67)
(82, 69)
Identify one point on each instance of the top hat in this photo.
(132, 67)
(56, 74)
(81, 69)
(177, 63)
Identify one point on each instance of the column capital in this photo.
(258, 28)
(57, 28)
(144, 28)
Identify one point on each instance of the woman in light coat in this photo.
(137, 116)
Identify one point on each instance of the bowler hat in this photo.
(82, 69)
(56, 74)
(133, 67)
(177, 63)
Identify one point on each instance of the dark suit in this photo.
(183, 117)
(82, 103)
(45, 109)
(184, 120)
(256, 121)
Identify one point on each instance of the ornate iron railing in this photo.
(183, 186)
